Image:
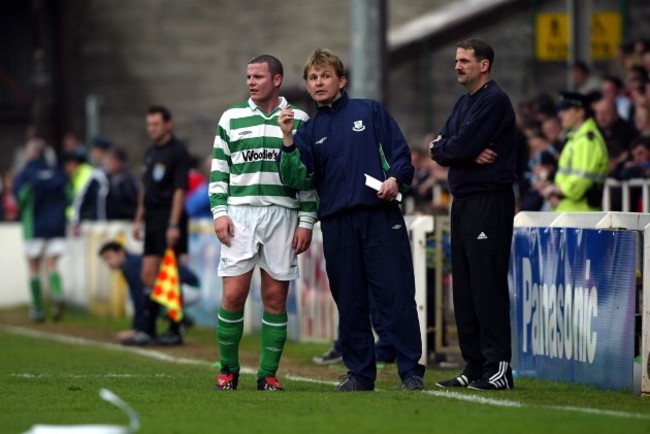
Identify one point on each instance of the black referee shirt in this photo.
(166, 169)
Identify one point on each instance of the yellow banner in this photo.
(552, 31)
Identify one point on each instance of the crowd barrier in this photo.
(89, 283)
(622, 193)
(576, 290)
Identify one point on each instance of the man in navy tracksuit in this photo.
(478, 144)
(365, 240)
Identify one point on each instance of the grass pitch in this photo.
(56, 381)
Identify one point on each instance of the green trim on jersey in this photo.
(26, 203)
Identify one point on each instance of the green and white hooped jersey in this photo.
(244, 171)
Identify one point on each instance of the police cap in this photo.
(573, 99)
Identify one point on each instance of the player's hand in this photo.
(432, 144)
(225, 229)
(487, 156)
(388, 190)
(173, 235)
(137, 230)
(301, 240)
(286, 122)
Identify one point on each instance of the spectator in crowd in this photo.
(478, 143)
(645, 60)
(197, 204)
(617, 133)
(421, 190)
(111, 192)
(71, 143)
(429, 188)
(583, 163)
(123, 187)
(19, 157)
(612, 89)
(80, 173)
(130, 265)
(43, 194)
(554, 133)
(98, 150)
(160, 209)
(197, 174)
(642, 119)
(365, 240)
(9, 203)
(639, 165)
(541, 170)
(258, 221)
(584, 80)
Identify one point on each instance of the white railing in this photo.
(626, 188)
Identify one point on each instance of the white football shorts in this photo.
(44, 248)
(263, 236)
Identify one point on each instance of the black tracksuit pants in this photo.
(481, 235)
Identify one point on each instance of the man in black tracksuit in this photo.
(478, 144)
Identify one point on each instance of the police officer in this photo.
(582, 167)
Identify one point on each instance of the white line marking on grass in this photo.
(157, 355)
(108, 375)
(613, 413)
(309, 380)
(474, 398)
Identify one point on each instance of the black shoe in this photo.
(331, 356)
(350, 384)
(170, 338)
(461, 381)
(226, 381)
(269, 383)
(139, 339)
(58, 310)
(499, 379)
(414, 382)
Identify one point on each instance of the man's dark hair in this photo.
(166, 114)
(119, 153)
(275, 66)
(482, 50)
(616, 81)
(641, 140)
(582, 66)
(111, 246)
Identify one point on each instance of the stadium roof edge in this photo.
(441, 20)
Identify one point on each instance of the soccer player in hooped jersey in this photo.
(258, 221)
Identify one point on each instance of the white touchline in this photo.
(157, 355)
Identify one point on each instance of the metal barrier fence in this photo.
(624, 192)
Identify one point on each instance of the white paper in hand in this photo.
(375, 184)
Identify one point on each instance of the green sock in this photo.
(55, 286)
(35, 287)
(274, 335)
(230, 328)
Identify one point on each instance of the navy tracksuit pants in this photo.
(368, 251)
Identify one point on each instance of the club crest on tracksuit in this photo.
(158, 172)
(358, 126)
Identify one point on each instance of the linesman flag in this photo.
(167, 287)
